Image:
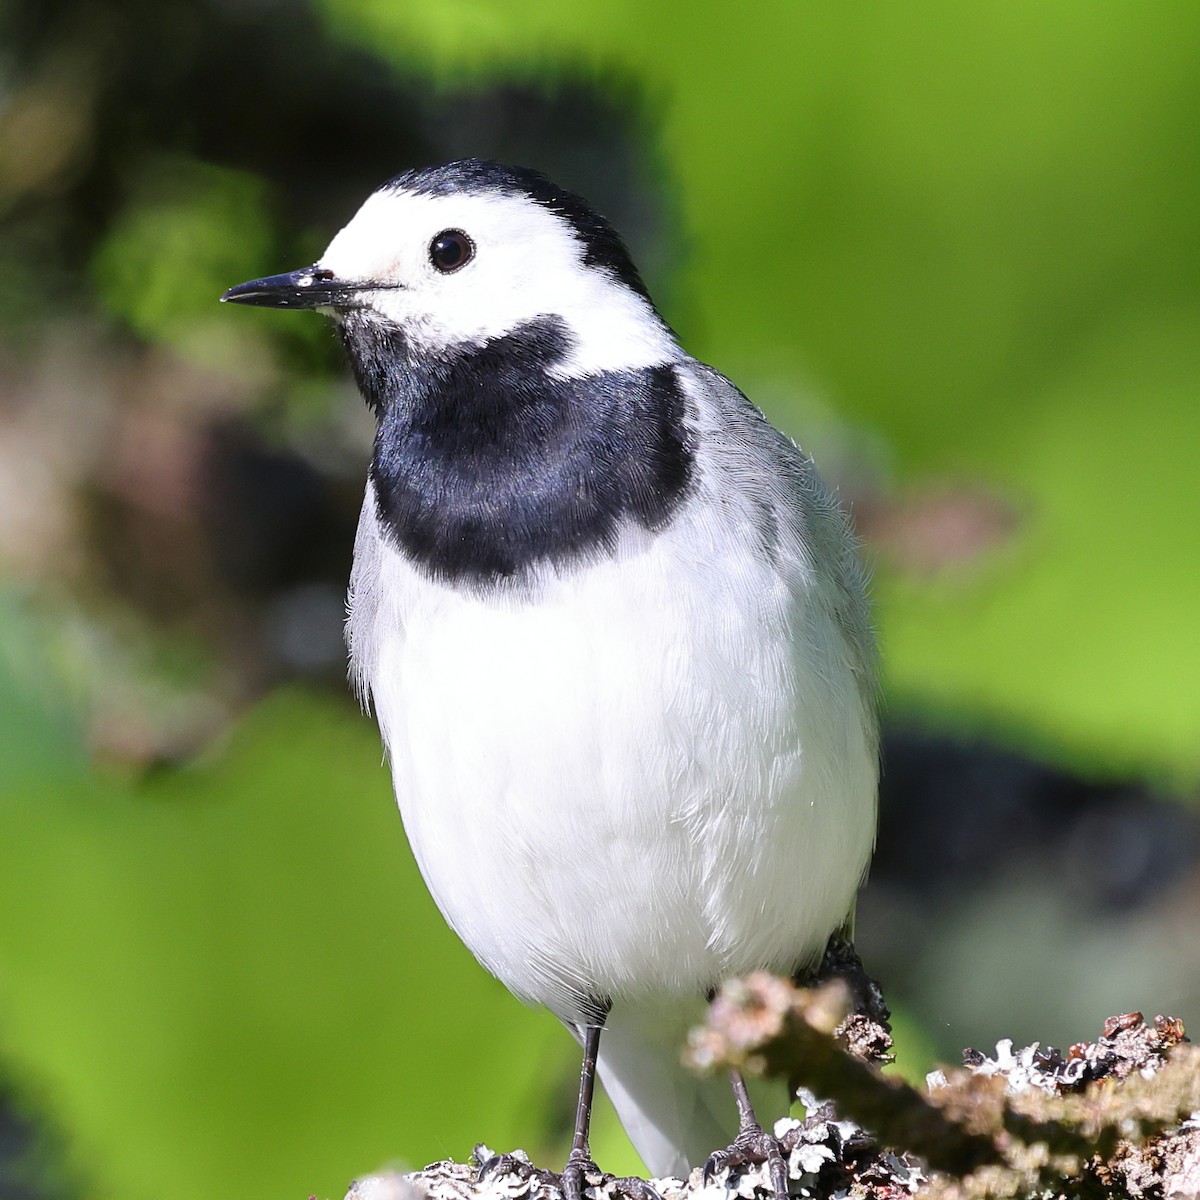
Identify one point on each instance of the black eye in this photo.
(450, 250)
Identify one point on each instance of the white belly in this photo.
(638, 785)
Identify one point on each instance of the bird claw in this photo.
(572, 1182)
(517, 1164)
(752, 1147)
(581, 1172)
(633, 1188)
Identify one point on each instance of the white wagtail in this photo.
(614, 629)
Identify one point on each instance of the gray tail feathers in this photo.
(674, 1118)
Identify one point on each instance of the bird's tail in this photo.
(674, 1118)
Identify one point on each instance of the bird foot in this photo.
(516, 1164)
(752, 1147)
(579, 1174)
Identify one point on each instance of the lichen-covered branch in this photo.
(768, 1026)
(1034, 1123)
(1111, 1119)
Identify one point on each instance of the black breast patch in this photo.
(485, 465)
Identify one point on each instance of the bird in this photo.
(614, 629)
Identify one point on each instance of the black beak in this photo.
(310, 287)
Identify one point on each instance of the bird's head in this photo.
(464, 253)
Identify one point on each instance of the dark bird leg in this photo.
(580, 1167)
(753, 1144)
(579, 1164)
(579, 1161)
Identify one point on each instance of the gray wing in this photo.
(798, 518)
(798, 521)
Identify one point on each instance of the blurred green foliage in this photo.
(969, 230)
(187, 229)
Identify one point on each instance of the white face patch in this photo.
(527, 263)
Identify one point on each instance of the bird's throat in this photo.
(486, 464)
